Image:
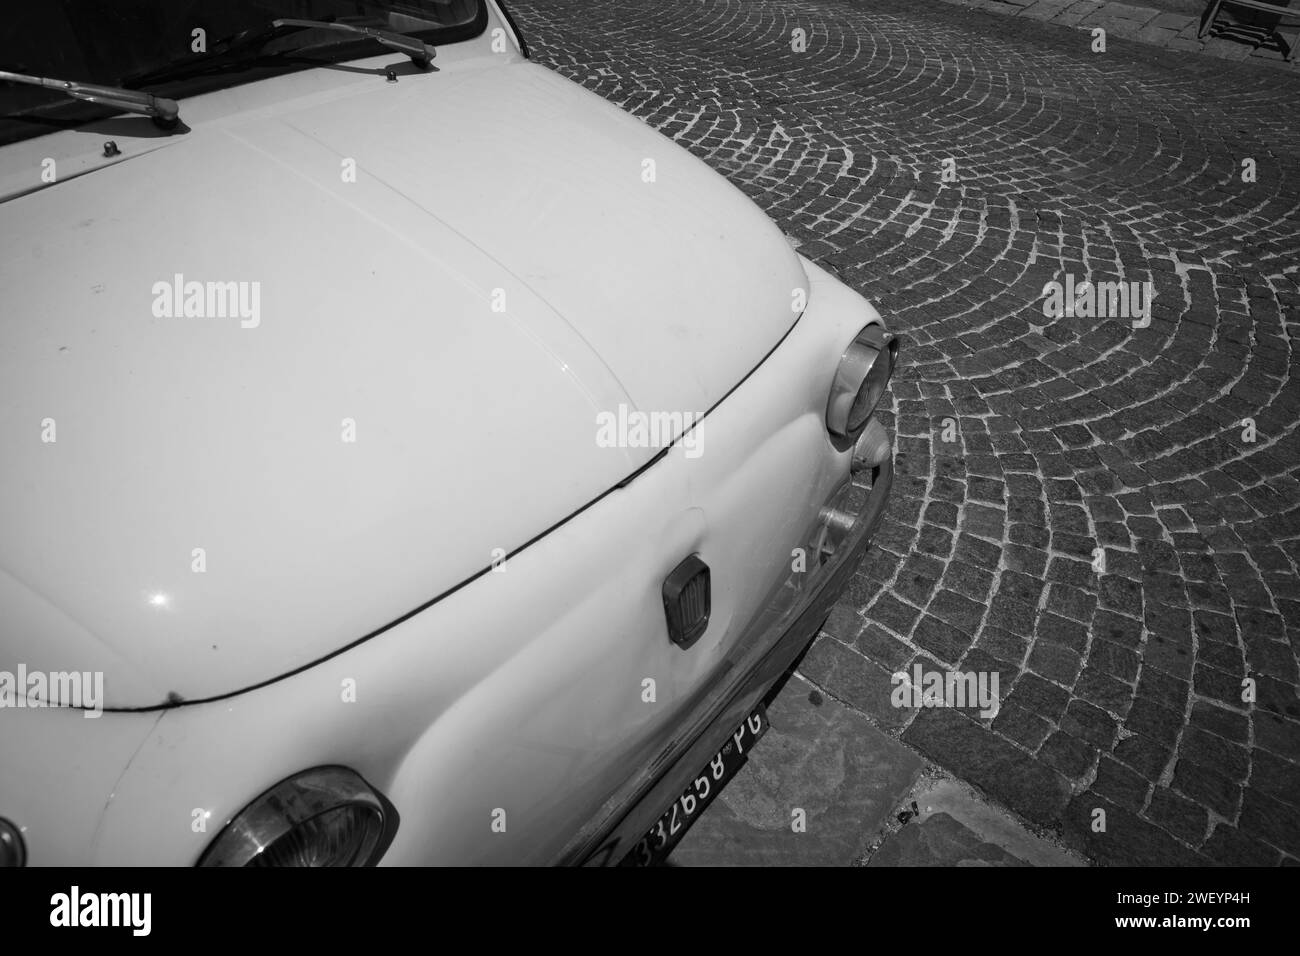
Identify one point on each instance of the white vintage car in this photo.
(408, 456)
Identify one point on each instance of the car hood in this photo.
(453, 275)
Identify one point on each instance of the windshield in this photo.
(175, 47)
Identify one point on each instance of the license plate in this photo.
(654, 847)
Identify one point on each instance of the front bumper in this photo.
(743, 678)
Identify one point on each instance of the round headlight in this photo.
(860, 380)
(12, 851)
(327, 816)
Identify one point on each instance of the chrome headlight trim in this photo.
(860, 380)
(13, 852)
(296, 801)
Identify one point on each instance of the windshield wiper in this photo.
(227, 48)
(420, 52)
(165, 112)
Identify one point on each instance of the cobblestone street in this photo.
(1106, 516)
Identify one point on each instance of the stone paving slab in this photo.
(939, 840)
(819, 757)
(953, 827)
(1160, 36)
(1125, 11)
